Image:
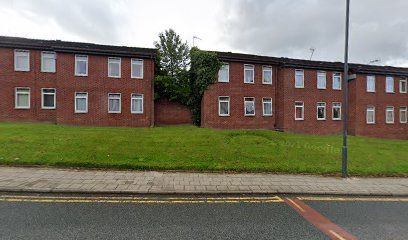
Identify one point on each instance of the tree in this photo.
(173, 54)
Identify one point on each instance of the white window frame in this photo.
(370, 109)
(249, 67)
(120, 102)
(245, 101)
(24, 53)
(303, 77)
(389, 109)
(80, 97)
(403, 109)
(219, 106)
(389, 78)
(136, 96)
(263, 106)
(303, 110)
(337, 75)
(321, 74)
(77, 56)
(17, 93)
(267, 69)
(338, 105)
(43, 56)
(114, 60)
(43, 95)
(370, 77)
(403, 80)
(226, 65)
(317, 111)
(136, 61)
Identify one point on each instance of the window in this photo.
(389, 115)
(114, 67)
(370, 117)
(81, 102)
(223, 73)
(321, 80)
(370, 83)
(299, 111)
(248, 73)
(321, 111)
(81, 65)
(389, 84)
(22, 98)
(223, 106)
(137, 68)
(403, 85)
(336, 111)
(48, 62)
(22, 60)
(337, 81)
(403, 115)
(267, 106)
(267, 75)
(136, 103)
(299, 78)
(48, 98)
(114, 105)
(249, 105)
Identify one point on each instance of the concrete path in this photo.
(26, 179)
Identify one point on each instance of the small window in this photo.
(336, 111)
(371, 83)
(114, 100)
(249, 106)
(223, 106)
(48, 98)
(81, 102)
(370, 117)
(223, 73)
(137, 103)
(248, 73)
(299, 111)
(389, 115)
(22, 60)
(267, 75)
(267, 106)
(403, 115)
(321, 111)
(48, 60)
(389, 84)
(336, 81)
(403, 85)
(81, 65)
(299, 78)
(114, 67)
(22, 98)
(321, 80)
(137, 68)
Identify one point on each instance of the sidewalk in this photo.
(26, 179)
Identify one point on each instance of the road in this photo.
(178, 217)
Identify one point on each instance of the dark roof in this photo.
(247, 58)
(76, 47)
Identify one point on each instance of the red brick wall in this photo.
(171, 113)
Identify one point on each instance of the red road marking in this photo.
(322, 223)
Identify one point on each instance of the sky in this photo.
(280, 28)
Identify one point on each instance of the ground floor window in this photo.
(370, 115)
(223, 106)
(336, 111)
(81, 102)
(267, 106)
(321, 111)
(249, 105)
(114, 103)
(389, 115)
(48, 98)
(299, 110)
(137, 103)
(403, 115)
(22, 96)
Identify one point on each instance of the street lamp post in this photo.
(345, 95)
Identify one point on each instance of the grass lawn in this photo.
(192, 148)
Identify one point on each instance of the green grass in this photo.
(199, 149)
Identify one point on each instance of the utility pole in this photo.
(345, 95)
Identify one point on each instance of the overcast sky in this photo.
(282, 28)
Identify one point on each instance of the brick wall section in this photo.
(171, 113)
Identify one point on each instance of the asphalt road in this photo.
(72, 217)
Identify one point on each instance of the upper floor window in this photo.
(114, 103)
(137, 68)
(22, 60)
(389, 84)
(403, 85)
(223, 106)
(248, 73)
(337, 81)
(321, 80)
(299, 110)
(249, 106)
(370, 115)
(136, 103)
(48, 98)
(321, 111)
(81, 65)
(403, 115)
(223, 73)
(299, 78)
(81, 102)
(267, 75)
(22, 100)
(48, 60)
(389, 115)
(114, 67)
(370, 83)
(336, 111)
(267, 106)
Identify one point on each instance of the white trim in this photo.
(303, 110)
(370, 109)
(219, 106)
(389, 109)
(77, 56)
(81, 97)
(120, 102)
(245, 101)
(15, 98)
(267, 69)
(370, 77)
(23, 53)
(249, 67)
(386, 84)
(263, 106)
(133, 61)
(303, 78)
(335, 74)
(325, 79)
(42, 62)
(317, 110)
(42, 98)
(406, 114)
(406, 85)
(227, 68)
(136, 96)
(333, 107)
(115, 60)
